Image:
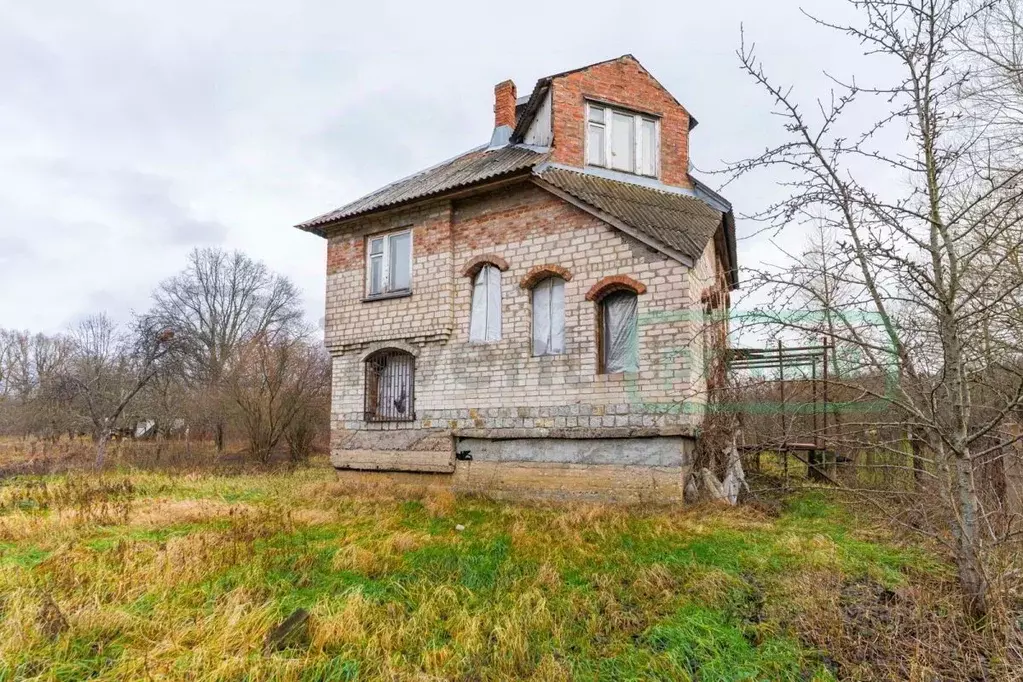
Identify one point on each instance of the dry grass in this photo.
(132, 575)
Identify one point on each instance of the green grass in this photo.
(182, 578)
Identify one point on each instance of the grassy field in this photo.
(135, 576)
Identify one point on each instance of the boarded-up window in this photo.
(619, 342)
(390, 386)
(485, 316)
(549, 317)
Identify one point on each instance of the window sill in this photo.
(628, 174)
(387, 296)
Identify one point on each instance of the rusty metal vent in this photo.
(390, 386)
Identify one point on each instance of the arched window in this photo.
(549, 317)
(619, 338)
(485, 316)
(390, 386)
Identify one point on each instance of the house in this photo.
(530, 316)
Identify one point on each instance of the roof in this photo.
(466, 169)
(683, 223)
(678, 222)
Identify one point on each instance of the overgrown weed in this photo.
(161, 576)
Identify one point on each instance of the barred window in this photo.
(390, 386)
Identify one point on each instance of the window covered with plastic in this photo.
(485, 317)
(619, 335)
(549, 317)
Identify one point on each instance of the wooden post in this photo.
(784, 425)
(814, 456)
(827, 407)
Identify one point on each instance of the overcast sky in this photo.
(131, 131)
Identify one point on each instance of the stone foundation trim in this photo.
(425, 461)
(615, 283)
(579, 432)
(663, 452)
(476, 263)
(542, 272)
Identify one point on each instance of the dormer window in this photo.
(621, 140)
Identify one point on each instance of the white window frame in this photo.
(385, 265)
(608, 128)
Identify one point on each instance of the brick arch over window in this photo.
(614, 283)
(541, 272)
(476, 263)
(374, 348)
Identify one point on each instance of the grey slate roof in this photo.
(467, 169)
(681, 222)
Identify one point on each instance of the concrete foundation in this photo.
(650, 469)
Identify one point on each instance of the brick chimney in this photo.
(504, 104)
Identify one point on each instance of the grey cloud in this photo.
(399, 143)
(130, 131)
(143, 204)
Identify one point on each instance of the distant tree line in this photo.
(222, 348)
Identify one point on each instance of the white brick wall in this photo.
(500, 385)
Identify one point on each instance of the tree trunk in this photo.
(916, 446)
(815, 471)
(101, 447)
(219, 436)
(968, 551)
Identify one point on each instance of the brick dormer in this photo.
(580, 106)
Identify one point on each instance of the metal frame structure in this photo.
(781, 358)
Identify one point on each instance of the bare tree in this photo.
(29, 367)
(275, 384)
(911, 244)
(217, 306)
(313, 417)
(109, 368)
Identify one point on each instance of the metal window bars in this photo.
(390, 386)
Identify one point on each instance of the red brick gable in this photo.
(624, 82)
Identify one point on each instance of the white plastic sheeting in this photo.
(621, 342)
(549, 317)
(485, 318)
